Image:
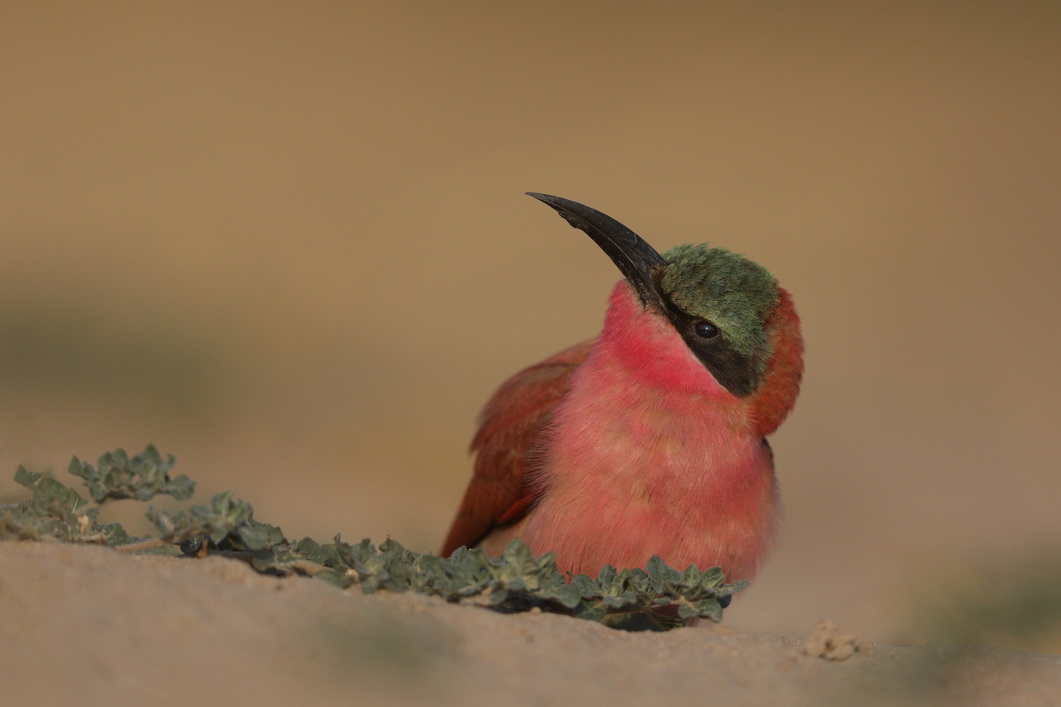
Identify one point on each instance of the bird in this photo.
(649, 439)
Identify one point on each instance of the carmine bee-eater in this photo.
(651, 438)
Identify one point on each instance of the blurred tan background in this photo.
(288, 243)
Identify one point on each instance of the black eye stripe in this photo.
(739, 374)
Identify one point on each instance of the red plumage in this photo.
(514, 434)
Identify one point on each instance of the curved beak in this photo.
(639, 262)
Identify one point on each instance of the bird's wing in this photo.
(509, 437)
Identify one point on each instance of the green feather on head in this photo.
(733, 293)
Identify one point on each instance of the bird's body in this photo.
(628, 446)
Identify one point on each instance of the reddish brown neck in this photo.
(777, 393)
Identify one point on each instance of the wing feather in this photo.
(506, 445)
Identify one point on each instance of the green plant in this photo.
(656, 597)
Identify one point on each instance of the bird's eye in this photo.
(706, 331)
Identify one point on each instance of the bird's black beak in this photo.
(639, 262)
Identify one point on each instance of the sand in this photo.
(87, 625)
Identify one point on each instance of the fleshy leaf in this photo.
(657, 597)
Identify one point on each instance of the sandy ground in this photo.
(86, 625)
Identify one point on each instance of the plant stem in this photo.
(148, 544)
